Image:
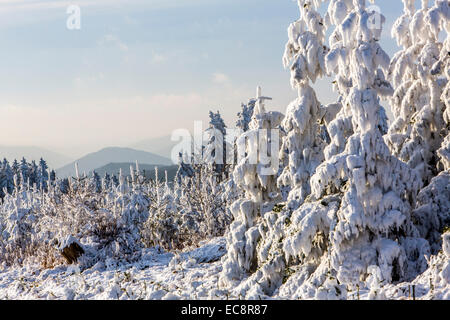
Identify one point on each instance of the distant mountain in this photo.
(161, 146)
(149, 170)
(105, 156)
(53, 159)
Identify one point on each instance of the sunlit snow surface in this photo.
(157, 275)
(192, 274)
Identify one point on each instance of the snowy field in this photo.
(157, 275)
(192, 274)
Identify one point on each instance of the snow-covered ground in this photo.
(157, 275)
(192, 274)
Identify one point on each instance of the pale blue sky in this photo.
(140, 68)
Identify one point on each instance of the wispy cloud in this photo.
(220, 78)
(113, 40)
(81, 81)
(158, 58)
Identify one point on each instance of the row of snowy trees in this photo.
(363, 204)
(25, 172)
(113, 218)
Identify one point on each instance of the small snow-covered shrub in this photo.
(446, 242)
(105, 223)
(432, 213)
(21, 239)
(194, 211)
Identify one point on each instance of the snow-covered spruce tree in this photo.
(33, 175)
(444, 63)
(230, 190)
(422, 126)
(245, 115)
(418, 75)
(260, 193)
(369, 228)
(306, 135)
(43, 175)
(442, 10)
(185, 169)
(444, 151)
(340, 127)
(214, 152)
(242, 126)
(6, 179)
(106, 181)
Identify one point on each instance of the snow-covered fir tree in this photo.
(245, 115)
(215, 149)
(185, 169)
(260, 192)
(420, 132)
(306, 135)
(418, 74)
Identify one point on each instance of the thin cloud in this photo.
(158, 58)
(221, 78)
(114, 40)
